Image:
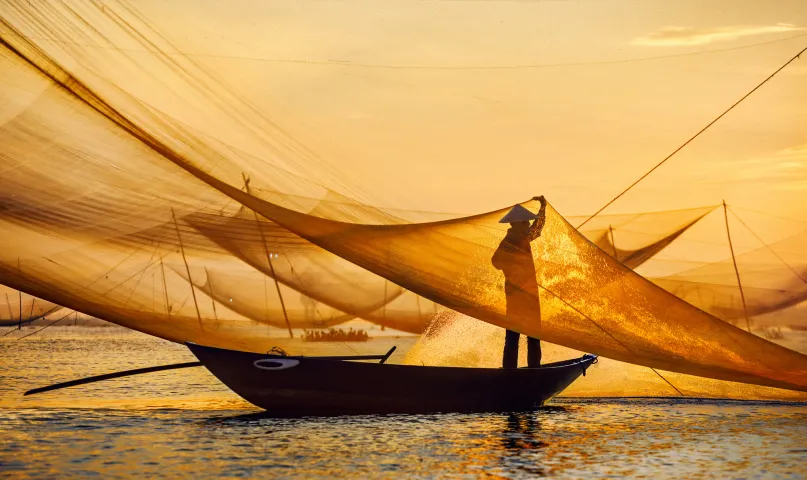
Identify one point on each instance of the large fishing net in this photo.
(110, 139)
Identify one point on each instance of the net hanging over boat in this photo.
(141, 164)
(341, 285)
(461, 341)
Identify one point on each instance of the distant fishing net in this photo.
(633, 239)
(108, 166)
(314, 272)
(17, 308)
(774, 277)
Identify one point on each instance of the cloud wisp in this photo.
(782, 170)
(674, 36)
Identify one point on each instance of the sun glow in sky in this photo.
(468, 105)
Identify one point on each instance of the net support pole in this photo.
(613, 242)
(274, 277)
(212, 298)
(736, 270)
(10, 313)
(187, 268)
(31, 315)
(165, 291)
(384, 310)
(269, 259)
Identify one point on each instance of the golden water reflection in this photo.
(186, 424)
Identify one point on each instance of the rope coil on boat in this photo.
(277, 351)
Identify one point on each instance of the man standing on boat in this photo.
(514, 259)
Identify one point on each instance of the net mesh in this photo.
(773, 277)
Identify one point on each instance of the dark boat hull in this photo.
(301, 386)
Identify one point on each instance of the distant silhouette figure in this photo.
(514, 259)
(310, 306)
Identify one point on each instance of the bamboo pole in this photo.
(33, 301)
(212, 298)
(269, 259)
(384, 311)
(165, 290)
(613, 242)
(736, 270)
(8, 304)
(187, 268)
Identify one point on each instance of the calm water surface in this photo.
(186, 424)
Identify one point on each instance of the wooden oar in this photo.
(109, 376)
(174, 366)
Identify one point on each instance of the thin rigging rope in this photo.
(383, 66)
(304, 289)
(143, 273)
(628, 349)
(694, 136)
(768, 247)
(616, 257)
(46, 326)
(769, 214)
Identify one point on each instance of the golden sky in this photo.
(466, 106)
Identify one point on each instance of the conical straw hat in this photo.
(518, 214)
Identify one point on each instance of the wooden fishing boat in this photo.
(301, 386)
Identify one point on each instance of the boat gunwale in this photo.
(587, 359)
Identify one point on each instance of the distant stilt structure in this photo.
(187, 268)
(736, 270)
(269, 259)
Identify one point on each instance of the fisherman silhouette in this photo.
(514, 259)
